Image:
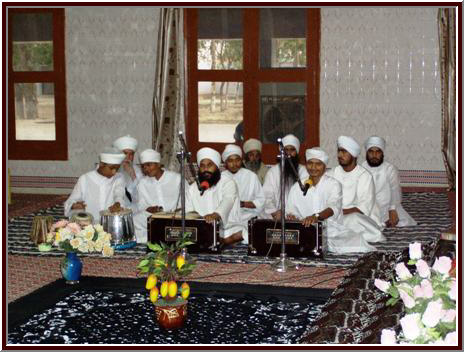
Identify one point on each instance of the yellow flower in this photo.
(58, 237)
(108, 251)
(89, 235)
(84, 247)
(75, 242)
(98, 228)
(107, 237)
(91, 245)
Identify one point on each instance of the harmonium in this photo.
(167, 227)
(265, 238)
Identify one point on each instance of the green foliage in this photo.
(33, 56)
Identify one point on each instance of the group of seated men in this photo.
(355, 201)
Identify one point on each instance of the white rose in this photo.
(382, 285)
(388, 337)
(415, 251)
(98, 228)
(410, 325)
(432, 314)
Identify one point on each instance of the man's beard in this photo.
(211, 178)
(253, 165)
(374, 163)
(289, 175)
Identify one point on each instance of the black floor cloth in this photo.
(113, 310)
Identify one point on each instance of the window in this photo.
(252, 73)
(37, 128)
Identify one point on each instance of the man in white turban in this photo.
(387, 184)
(323, 202)
(219, 200)
(98, 189)
(130, 172)
(253, 162)
(250, 190)
(158, 190)
(360, 210)
(271, 187)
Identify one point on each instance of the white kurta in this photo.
(164, 192)
(223, 198)
(97, 191)
(388, 192)
(271, 189)
(359, 191)
(249, 190)
(130, 185)
(327, 194)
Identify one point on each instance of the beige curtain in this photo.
(447, 41)
(169, 98)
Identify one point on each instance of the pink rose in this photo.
(408, 301)
(418, 291)
(410, 326)
(402, 272)
(388, 337)
(415, 251)
(452, 291)
(59, 224)
(423, 269)
(73, 227)
(448, 315)
(382, 285)
(432, 314)
(426, 286)
(442, 265)
(451, 338)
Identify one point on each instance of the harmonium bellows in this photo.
(265, 239)
(167, 227)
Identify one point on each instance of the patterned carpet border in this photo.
(429, 209)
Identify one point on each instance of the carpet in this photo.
(118, 311)
(429, 209)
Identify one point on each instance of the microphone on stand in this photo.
(307, 185)
(203, 187)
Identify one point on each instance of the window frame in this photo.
(251, 75)
(36, 149)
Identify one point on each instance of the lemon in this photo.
(180, 261)
(151, 282)
(164, 289)
(185, 290)
(154, 292)
(172, 290)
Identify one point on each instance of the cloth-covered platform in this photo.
(118, 311)
(429, 209)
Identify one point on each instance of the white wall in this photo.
(110, 68)
(380, 75)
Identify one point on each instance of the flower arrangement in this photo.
(71, 237)
(429, 297)
(165, 266)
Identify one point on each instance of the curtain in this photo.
(168, 100)
(447, 42)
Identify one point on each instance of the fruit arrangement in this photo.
(165, 266)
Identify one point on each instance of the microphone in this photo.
(203, 187)
(307, 185)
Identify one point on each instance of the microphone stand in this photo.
(181, 156)
(304, 187)
(282, 265)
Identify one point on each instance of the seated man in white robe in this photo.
(323, 202)
(271, 187)
(253, 162)
(387, 185)
(129, 172)
(98, 189)
(360, 210)
(158, 190)
(220, 200)
(250, 191)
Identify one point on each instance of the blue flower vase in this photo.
(71, 268)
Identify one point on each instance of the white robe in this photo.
(327, 194)
(249, 189)
(164, 192)
(222, 198)
(97, 191)
(388, 192)
(359, 191)
(130, 185)
(271, 189)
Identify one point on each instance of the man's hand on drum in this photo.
(276, 215)
(210, 218)
(309, 220)
(115, 207)
(154, 209)
(79, 205)
(291, 217)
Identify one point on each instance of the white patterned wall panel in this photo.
(110, 68)
(380, 75)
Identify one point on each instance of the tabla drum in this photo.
(121, 227)
(82, 218)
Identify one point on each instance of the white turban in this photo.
(231, 149)
(317, 153)
(150, 156)
(252, 144)
(126, 142)
(375, 141)
(209, 153)
(292, 140)
(112, 156)
(349, 144)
